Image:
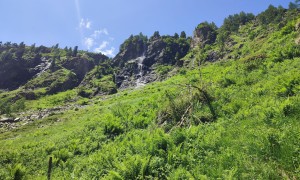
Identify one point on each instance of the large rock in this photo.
(132, 48)
(16, 72)
(58, 81)
(213, 56)
(80, 66)
(205, 33)
(68, 80)
(155, 52)
(136, 58)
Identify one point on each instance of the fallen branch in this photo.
(180, 123)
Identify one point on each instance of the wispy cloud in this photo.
(107, 52)
(89, 42)
(103, 45)
(102, 49)
(97, 33)
(85, 23)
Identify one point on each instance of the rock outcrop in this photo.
(15, 72)
(205, 33)
(55, 70)
(24, 118)
(138, 57)
(80, 66)
(132, 48)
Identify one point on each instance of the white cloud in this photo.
(103, 45)
(97, 33)
(88, 24)
(99, 41)
(102, 49)
(104, 31)
(109, 52)
(89, 42)
(85, 23)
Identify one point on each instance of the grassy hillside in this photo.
(255, 133)
(237, 118)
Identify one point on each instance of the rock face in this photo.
(57, 81)
(16, 72)
(20, 64)
(155, 52)
(213, 56)
(42, 67)
(135, 74)
(133, 47)
(80, 66)
(23, 118)
(50, 70)
(205, 33)
(166, 50)
(139, 56)
(62, 84)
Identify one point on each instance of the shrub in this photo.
(19, 105)
(5, 107)
(271, 15)
(182, 110)
(181, 173)
(85, 92)
(157, 167)
(233, 22)
(113, 175)
(113, 128)
(163, 69)
(178, 136)
(18, 172)
(62, 155)
(225, 82)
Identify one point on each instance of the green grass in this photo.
(256, 133)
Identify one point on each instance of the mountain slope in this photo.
(230, 111)
(256, 132)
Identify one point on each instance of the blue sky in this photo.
(102, 25)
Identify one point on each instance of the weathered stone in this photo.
(137, 58)
(80, 66)
(29, 95)
(17, 120)
(15, 72)
(213, 56)
(7, 120)
(204, 34)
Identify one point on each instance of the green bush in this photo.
(5, 107)
(163, 69)
(180, 174)
(18, 172)
(113, 128)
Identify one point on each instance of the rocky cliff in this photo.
(139, 57)
(204, 34)
(136, 64)
(53, 69)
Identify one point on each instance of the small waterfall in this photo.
(43, 67)
(140, 82)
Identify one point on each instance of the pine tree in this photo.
(182, 35)
(75, 51)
